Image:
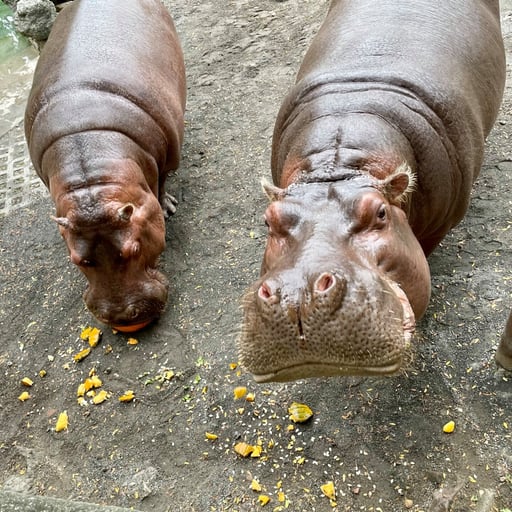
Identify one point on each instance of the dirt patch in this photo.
(379, 440)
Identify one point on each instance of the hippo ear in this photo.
(62, 221)
(273, 193)
(125, 212)
(398, 185)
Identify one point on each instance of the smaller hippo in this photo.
(504, 352)
(104, 125)
(374, 153)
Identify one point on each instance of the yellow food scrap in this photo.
(263, 499)
(449, 427)
(299, 413)
(92, 335)
(168, 374)
(95, 381)
(281, 496)
(128, 396)
(256, 451)
(81, 390)
(239, 392)
(27, 382)
(244, 449)
(85, 333)
(88, 384)
(62, 422)
(81, 401)
(329, 490)
(82, 354)
(255, 485)
(24, 396)
(132, 341)
(211, 436)
(42, 373)
(100, 397)
(233, 366)
(250, 397)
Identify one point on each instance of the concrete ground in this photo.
(380, 441)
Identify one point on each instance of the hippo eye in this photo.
(269, 227)
(382, 213)
(86, 263)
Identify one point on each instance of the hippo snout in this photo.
(133, 310)
(329, 323)
(327, 291)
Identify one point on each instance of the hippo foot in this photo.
(169, 203)
(504, 355)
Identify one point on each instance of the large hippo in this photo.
(104, 125)
(374, 154)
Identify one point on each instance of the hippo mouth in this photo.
(309, 370)
(318, 347)
(130, 308)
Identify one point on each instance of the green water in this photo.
(17, 62)
(11, 43)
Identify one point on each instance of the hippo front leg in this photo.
(168, 203)
(504, 352)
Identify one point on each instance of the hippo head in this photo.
(116, 244)
(343, 279)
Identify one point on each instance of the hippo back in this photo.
(432, 71)
(91, 76)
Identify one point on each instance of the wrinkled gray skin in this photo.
(375, 150)
(104, 125)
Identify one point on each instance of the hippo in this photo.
(504, 352)
(104, 125)
(374, 153)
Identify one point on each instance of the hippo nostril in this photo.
(325, 282)
(266, 295)
(132, 312)
(264, 292)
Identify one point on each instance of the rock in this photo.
(142, 484)
(486, 500)
(11, 3)
(34, 18)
